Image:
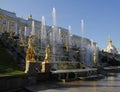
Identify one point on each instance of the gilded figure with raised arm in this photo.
(47, 54)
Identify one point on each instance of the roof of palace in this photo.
(8, 13)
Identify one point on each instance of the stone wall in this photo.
(8, 83)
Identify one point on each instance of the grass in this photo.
(7, 65)
(15, 72)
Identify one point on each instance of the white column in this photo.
(8, 26)
(16, 29)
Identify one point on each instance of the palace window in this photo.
(12, 24)
(4, 22)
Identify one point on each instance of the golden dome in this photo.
(110, 47)
(30, 16)
(109, 41)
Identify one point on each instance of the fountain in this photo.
(43, 33)
(54, 16)
(89, 52)
(82, 31)
(85, 48)
(25, 34)
(56, 50)
(59, 36)
(54, 29)
(69, 35)
(82, 42)
(33, 28)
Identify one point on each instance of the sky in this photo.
(101, 17)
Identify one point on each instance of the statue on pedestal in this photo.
(46, 60)
(47, 54)
(30, 54)
(95, 59)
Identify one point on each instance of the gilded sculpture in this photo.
(95, 59)
(46, 60)
(47, 54)
(30, 54)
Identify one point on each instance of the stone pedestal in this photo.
(45, 67)
(33, 67)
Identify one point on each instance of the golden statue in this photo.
(95, 59)
(30, 54)
(67, 47)
(11, 34)
(22, 43)
(46, 60)
(47, 54)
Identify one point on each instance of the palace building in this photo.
(57, 37)
(10, 22)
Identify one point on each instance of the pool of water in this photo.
(110, 83)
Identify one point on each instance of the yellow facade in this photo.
(7, 23)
